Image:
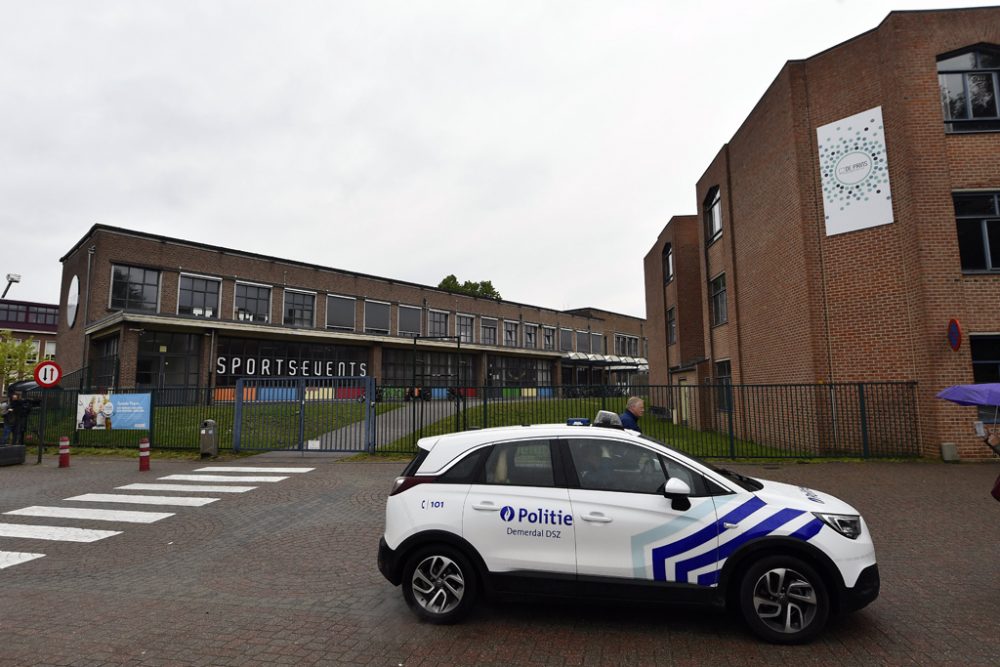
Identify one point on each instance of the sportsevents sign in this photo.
(854, 173)
(242, 358)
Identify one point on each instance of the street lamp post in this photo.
(11, 279)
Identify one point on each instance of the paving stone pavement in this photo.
(286, 575)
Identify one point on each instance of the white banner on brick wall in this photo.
(854, 172)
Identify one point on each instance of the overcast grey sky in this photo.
(541, 145)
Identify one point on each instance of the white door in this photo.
(517, 519)
(625, 527)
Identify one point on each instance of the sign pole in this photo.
(41, 428)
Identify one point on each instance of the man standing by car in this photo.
(634, 408)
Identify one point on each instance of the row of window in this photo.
(137, 289)
(21, 313)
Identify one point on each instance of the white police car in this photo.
(610, 514)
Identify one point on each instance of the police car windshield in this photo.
(747, 483)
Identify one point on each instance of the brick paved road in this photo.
(286, 575)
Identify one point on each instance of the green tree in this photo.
(17, 358)
(483, 288)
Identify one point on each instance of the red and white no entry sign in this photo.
(48, 374)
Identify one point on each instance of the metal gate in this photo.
(331, 414)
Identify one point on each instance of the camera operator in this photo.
(18, 408)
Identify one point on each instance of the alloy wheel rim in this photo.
(438, 584)
(785, 600)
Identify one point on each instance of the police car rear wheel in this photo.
(439, 584)
(784, 600)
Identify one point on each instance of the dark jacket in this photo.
(630, 421)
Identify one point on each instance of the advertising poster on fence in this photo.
(113, 412)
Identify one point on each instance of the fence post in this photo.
(237, 414)
(729, 419)
(863, 412)
(152, 414)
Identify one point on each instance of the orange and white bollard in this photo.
(63, 452)
(143, 454)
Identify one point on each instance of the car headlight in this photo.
(848, 525)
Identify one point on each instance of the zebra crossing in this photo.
(183, 483)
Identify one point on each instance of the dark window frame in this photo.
(712, 213)
(246, 306)
(465, 327)
(294, 316)
(717, 298)
(341, 325)
(378, 331)
(130, 301)
(409, 332)
(437, 323)
(192, 289)
(975, 255)
(985, 62)
(668, 263)
(671, 325)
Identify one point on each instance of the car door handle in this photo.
(730, 526)
(596, 517)
(486, 507)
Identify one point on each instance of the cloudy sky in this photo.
(539, 144)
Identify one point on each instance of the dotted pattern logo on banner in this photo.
(853, 163)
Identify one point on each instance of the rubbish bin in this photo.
(209, 443)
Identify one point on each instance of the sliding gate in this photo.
(332, 414)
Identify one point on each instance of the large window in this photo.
(376, 317)
(409, 321)
(985, 367)
(724, 380)
(253, 303)
(198, 296)
(597, 343)
(717, 297)
(340, 312)
(510, 334)
(168, 359)
(134, 288)
(626, 346)
(549, 338)
(583, 342)
(969, 85)
(437, 323)
(488, 331)
(671, 326)
(713, 215)
(608, 465)
(50, 350)
(565, 340)
(530, 336)
(42, 315)
(299, 308)
(978, 224)
(13, 312)
(466, 328)
(668, 263)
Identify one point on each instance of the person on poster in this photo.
(89, 417)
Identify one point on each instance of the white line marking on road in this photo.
(246, 469)
(190, 488)
(55, 533)
(92, 514)
(8, 558)
(224, 478)
(143, 500)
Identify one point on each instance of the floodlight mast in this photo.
(11, 279)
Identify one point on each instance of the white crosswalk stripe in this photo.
(252, 469)
(91, 514)
(8, 558)
(179, 501)
(225, 478)
(54, 533)
(191, 488)
(70, 534)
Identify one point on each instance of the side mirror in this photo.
(677, 491)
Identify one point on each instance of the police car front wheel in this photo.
(784, 600)
(439, 584)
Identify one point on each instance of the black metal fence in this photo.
(868, 420)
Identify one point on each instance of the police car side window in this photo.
(526, 463)
(608, 465)
(465, 471)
